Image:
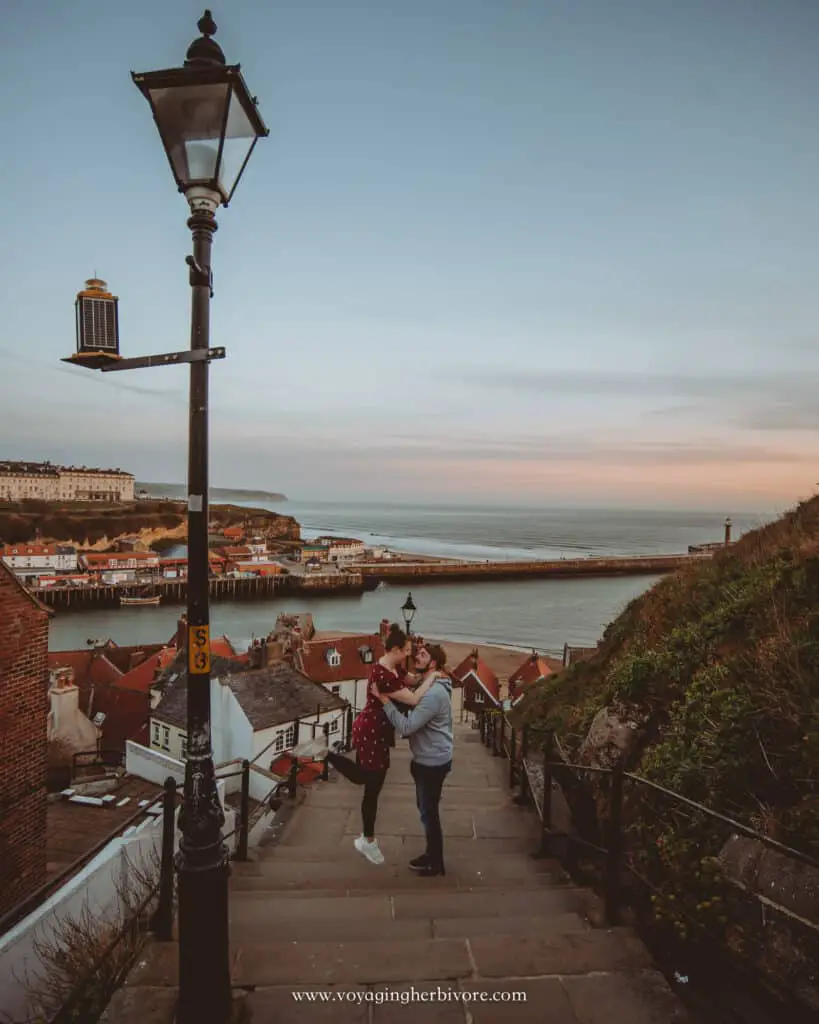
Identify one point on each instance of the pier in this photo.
(431, 572)
(171, 591)
(367, 577)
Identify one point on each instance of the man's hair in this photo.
(437, 653)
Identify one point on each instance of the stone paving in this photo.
(502, 937)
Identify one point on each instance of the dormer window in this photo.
(366, 654)
(333, 658)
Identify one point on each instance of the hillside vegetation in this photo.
(708, 685)
(718, 667)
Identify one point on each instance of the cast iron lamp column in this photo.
(209, 125)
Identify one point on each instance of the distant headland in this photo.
(222, 493)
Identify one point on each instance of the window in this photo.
(366, 654)
(155, 737)
(335, 689)
(334, 725)
(279, 742)
(290, 736)
(166, 737)
(478, 697)
(184, 746)
(333, 658)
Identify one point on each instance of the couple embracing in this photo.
(416, 705)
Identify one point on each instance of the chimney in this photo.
(384, 629)
(475, 658)
(728, 525)
(64, 698)
(182, 633)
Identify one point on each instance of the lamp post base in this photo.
(204, 954)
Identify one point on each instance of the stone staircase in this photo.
(375, 943)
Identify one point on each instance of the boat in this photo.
(150, 602)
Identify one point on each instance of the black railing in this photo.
(499, 735)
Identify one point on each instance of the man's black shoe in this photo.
(419, 863)
(430, 872)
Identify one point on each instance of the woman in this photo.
(372, 735)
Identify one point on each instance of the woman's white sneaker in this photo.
(370, 850)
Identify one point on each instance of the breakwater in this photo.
(367, 577)
(430, 572)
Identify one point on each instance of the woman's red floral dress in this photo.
(372, 731)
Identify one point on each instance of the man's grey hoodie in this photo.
(428, 725)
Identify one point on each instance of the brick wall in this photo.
(23, 711)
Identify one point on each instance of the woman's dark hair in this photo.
(395, 638)
(437, 653)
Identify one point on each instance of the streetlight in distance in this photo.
(408, 610)
(209, 124)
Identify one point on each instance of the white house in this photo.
(340, 664)
(342, 549)
(254, 711)
(36, 558)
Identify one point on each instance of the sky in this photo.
(512, 251)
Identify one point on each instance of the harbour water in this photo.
(521, 613)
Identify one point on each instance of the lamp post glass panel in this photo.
(209, 124)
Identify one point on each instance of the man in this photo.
(428, 726)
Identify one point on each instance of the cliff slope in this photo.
(708, 685)
(95, 525)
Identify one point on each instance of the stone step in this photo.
(370, 962)
(332, 845)
(256, 918)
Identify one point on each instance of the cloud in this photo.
(770, 401)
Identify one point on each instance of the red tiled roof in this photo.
(238, 552)
(533, 669)
(311, 658)
(221, 647)
(142, 676)
(477, 669)
(307, 774)
(17, 550)
(89, 667)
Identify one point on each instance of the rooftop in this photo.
(74, 830)
(312, 657)
(269, 696)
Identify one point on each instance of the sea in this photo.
(526, 614)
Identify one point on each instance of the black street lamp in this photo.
(408, 610)
(209, 124)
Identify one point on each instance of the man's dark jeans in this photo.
(429, 781)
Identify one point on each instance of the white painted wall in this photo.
(94, 886)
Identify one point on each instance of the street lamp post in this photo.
(408, 610)
(209, 124)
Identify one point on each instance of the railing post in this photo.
(294, 776)
(523, 796)
(546, 822)
(495, 731)
(614, 845)
(325, 768)
(244, 812)
(162, 922)
(512, 755)
(501, 730)
(348, 737)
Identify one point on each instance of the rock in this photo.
(613, 736)
(785, 882)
